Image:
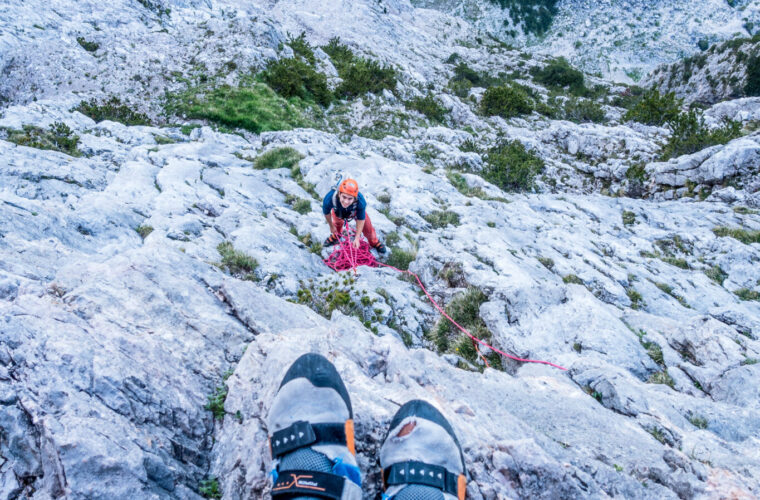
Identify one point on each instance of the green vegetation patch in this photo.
(292, 77)
(58, 137)
(629, 218)
(511, 167)
(534, 16)
(698, 421)
(581, 111)
(359, 75)
(572, 279)
(209, 488)
(302, 48)
(113, 110)
(144, 231)
(637, 301)
(442, 218)
(237, 262)
(717, 274)
(87, 45)
(428, 106)
(745, 236)
(401, 258)
(747, 294)
(559, 74)
(285, 157)
(752, 85)
(300, 205)
(250, 106)
(653, 108)
(690, 134)
(465, 310)
(505, 101)
(662, 377)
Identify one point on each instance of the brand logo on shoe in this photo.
(297, 481)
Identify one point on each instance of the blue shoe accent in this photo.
(348, 471)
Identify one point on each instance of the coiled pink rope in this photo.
(346, 257)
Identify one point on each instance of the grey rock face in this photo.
(120, 318)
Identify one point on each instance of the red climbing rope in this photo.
(346, 257)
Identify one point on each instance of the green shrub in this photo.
(460, 88)
(365, 75)
(285, 157)
(654, 351)
(300, 205)
(428, 106)
(58, 137)
(442, 218)
(462, 72)
(465, 310)
(572, 278)
(216, 401)
(359, 75)
(505, 101)
(256, 107)
(745, 211)
(302, 48)
(752, 86)
(292, 77)
(717, 274)
(689, 134)
(583, 111)
(737, 233)
(629, 218)
(560, 74)
(662, 377)
(547, 262)
(340, 54)
(236, 261)
(209, 488)
(698, 422)
(637, 301)
(654, 108)
(511, 167)
(629, 97)
(156, 7)
(400, 258)
(86, 45)
(675, 261)
(747, 294)
(535, 16)
(113, 110)
(144, 231)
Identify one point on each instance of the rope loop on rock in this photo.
(345, 257)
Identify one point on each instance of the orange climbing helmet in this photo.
(350, 187)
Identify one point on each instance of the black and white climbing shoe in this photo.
(421, 457)
(312, 434)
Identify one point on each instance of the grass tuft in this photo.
(236, 261)
(285, 157)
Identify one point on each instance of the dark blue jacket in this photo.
(355, 211)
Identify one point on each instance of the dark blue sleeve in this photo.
(327, 204)
(361, 208)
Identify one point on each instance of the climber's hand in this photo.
(356, 242)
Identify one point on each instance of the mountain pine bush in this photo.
(654, 108)
(511, 167)
(506, 101)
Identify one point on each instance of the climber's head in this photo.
(347, 192)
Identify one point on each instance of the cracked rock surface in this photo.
(139, 360)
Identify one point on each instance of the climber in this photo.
(346, 203)
(311, 439)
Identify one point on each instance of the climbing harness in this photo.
(346, 257)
